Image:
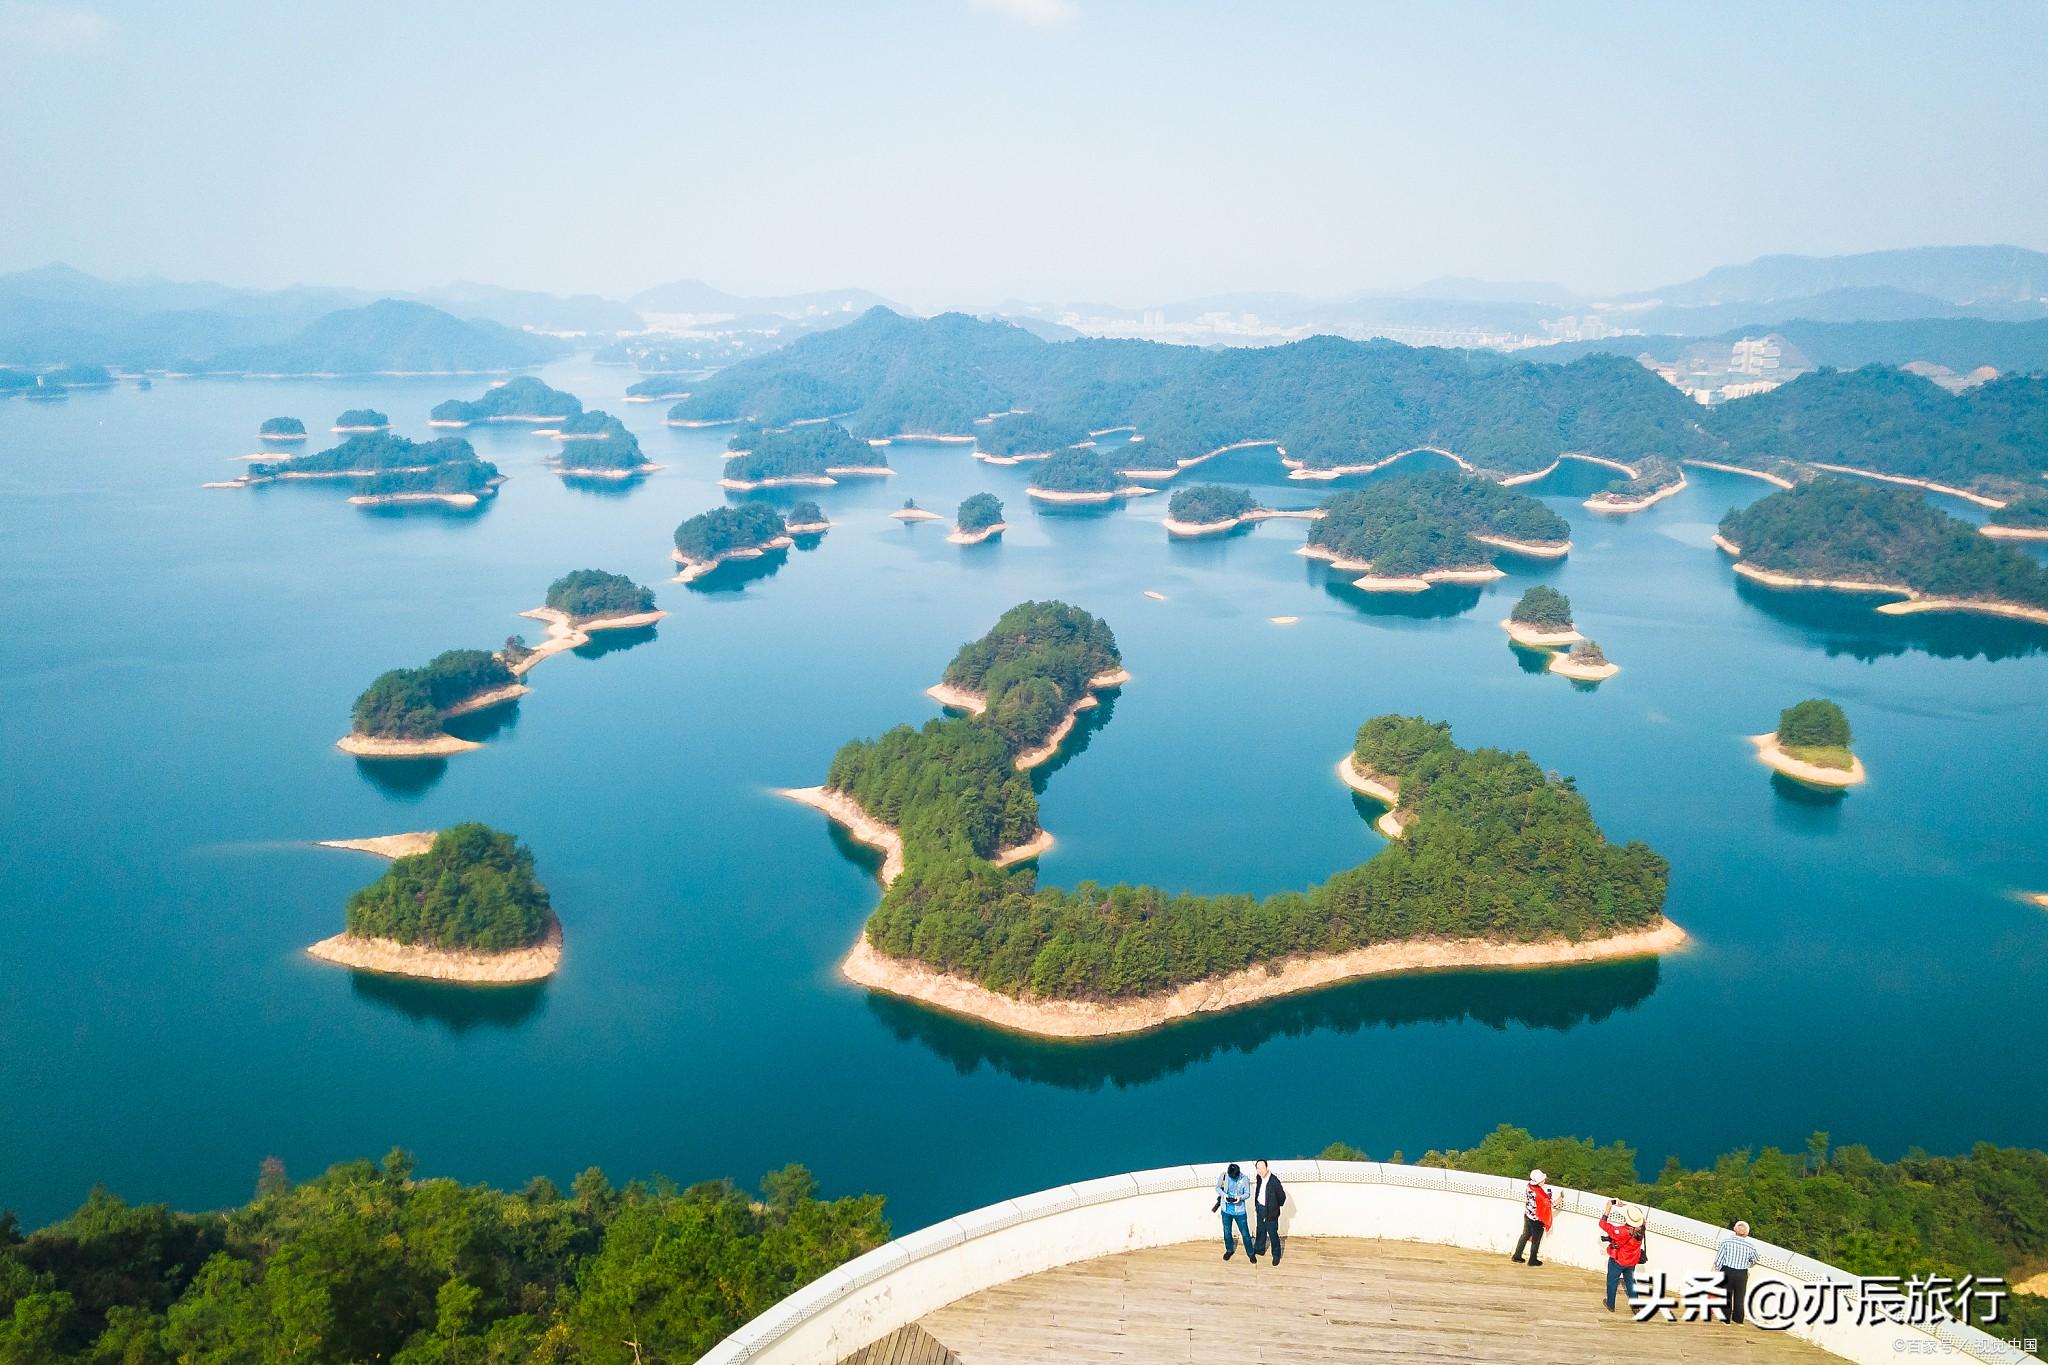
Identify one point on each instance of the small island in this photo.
(980, 518)
(910, 511)
(400, 714)
(387, 468)
(596, 445)
(1081, 476)
(1584, 662)
(581, 603)
(818, 453)
(1032, 675)
(1851, 536)
(281, 429)
(1652, 480)
(451, 483)
(2022, 518)
(468, 909)
(1014, 438)
(710, 539)
(1411, 533)
(1542, 619)
(806, 518)
(359, 420)
(524, 399)
(1811, 745)
(658, 388)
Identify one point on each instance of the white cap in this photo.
(1536, 1177)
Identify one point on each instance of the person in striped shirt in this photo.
(1733, 1258)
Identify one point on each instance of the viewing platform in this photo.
(1383, 1264)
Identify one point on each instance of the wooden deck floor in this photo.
(1331, 1301)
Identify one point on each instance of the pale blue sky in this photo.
(963, 150)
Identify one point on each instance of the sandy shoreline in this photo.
(1539, 639)
(387, 845)
(780, 481)
(1997, 532)
(1950, 489)
(484, 701)
(1537, 549)
(1424, 582)
(1385, 790)
(566, 633)
(1772, 479)
(434, 746)
(281, 437)
(1779, 580)
(846, 812)
(1297, 470)
(1191, 529)
(1914, 604)
(1608, 502)
(1725, 545)
(915, 514)
(694, 569)
(389, 957)
(993, 529)
(1055, 495)
(2011, 610)
(400, 499)
(1190, 462)
(973, 703)
(1564, 665)
(806, 528)
(1813, 774)
(867, 967)
(570, 471)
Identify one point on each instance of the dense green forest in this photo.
(282, 426)
(777, 400)
(406, 703)
(978, 512)
(592, 422)
(1846, 529)
(1587, 654)
(1078, 471)
(521, 397)
(1034, 663)
(1028, 433)
(1653, 474)
(804, 452)
(451, 476)
(371, 450)
(600, 442)
(1893, 422)
(2029, 510)
(1543, 607)
(722, 530)
(1493, 849)
(804, 512)
(362, 417)
(659, 386)
(1209, 502)
(474, 889)
(1815, 721)
(1424, 523)
(368, 1263)
(587, 593)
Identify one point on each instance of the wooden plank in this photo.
(911, 1345)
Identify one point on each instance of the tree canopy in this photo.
(1078, 471)
(362, 417)
(585, 594)
(1209, 502)
(723, 530)
(978, 512)
(1426, 522)
(282, 426)
(375, 451)
(524, 396)
(407, 703)
(1813, 723)
(473, 890)
(807, 451)
(1543, 607)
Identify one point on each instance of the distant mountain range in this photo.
(700, 299)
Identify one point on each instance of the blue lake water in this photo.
(182, 660)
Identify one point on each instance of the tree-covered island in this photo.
(596, 445)
(586, 595)
(389, 468)
(399, 715)
(979, 518)
(1854, 536)
(1408, 533)
(1584, 662)
(524, 399)
(806, 518)
(282, 429)
(1080, 476)
(1012, 438)
(819, 453)
(1032, 673)
(2024, 517)
(452, 483)
(468, 909)
(1542, 619)
(657, 388)
(361, 419)
(709, 539)
(1811, 745)
(1655, 479)
(1208, 509)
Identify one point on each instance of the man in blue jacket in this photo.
(1233, 1191)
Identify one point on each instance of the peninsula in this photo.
(1081, 476)
(2022, 518)
(581, 603)
(1032, 675)
(467, 909)
(658, 388)
(1811, 745)
(1649, 482)
(401, 713)
(980, 518)
(281, 429)
(820, 453)
(1855, 537)
(524, 399)
(710, 539)
(1408, 534)
(1542, 619)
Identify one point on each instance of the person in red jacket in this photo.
(1539, 1206)
(1624, 1246)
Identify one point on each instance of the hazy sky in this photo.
(964, 150)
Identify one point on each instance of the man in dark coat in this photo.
(1268, 1195)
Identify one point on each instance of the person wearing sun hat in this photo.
(1624, 1246)
(1539, 1206)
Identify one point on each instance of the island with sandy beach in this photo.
(1213, 510)
(805, 518)
(465, 909)
(1032, 675)
(596, 445)
(450, 483)
(979, 518)
(1584, 662)
(579, 604)
(1081, 477)
(1491, 863)
(281, 430)
(1542, 619)
(1409, 534)
(385, 468)
(1015, 438)
(1840, 534)
(2024, 517)
(816, 453)
(910, 511)
(358, 420)
(1650, 480)
(400, 714)
(658, 388)
(522, 400)
(723, 534)
(1811, 745)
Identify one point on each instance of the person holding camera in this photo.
(1233, 1191)
(1625, 1246)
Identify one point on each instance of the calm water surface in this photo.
(182, 660)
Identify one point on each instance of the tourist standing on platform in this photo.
(1733, 1258)
(1233, 1191)
(1539, 1206)
(1624, 1246)
(1268, 1195)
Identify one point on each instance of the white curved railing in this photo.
(895, 1285)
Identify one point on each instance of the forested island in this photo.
(1034, 671)
(452, 483)
(709, 539)
(1653, 479)
(579, 604)
(658, 388)
(388, 468)
(468, 909)
(1012, 438)
(1496, 864)
(596, 445)
(1080, 476)
(2025, 517)
(1542, 619)
(375, 1261)
(1208, 509)
(1811, 745)
(979, 518)
(806, 518)
(1408, 533)
(400, 714)
(361, 419)
(524, 399)
(1584, 662)
(819, 453)
(282, 429)
(1839, 533)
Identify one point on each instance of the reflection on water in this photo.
(1086, 723)
(479, 726)
(605, 642)
(1531, 660)
(603, 488)
(403, 779)
(393, 511)
(457, 1008)
(1806, 810)
(733, 575)
(1442, 600)
(1557, 999)
(1847, 623)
